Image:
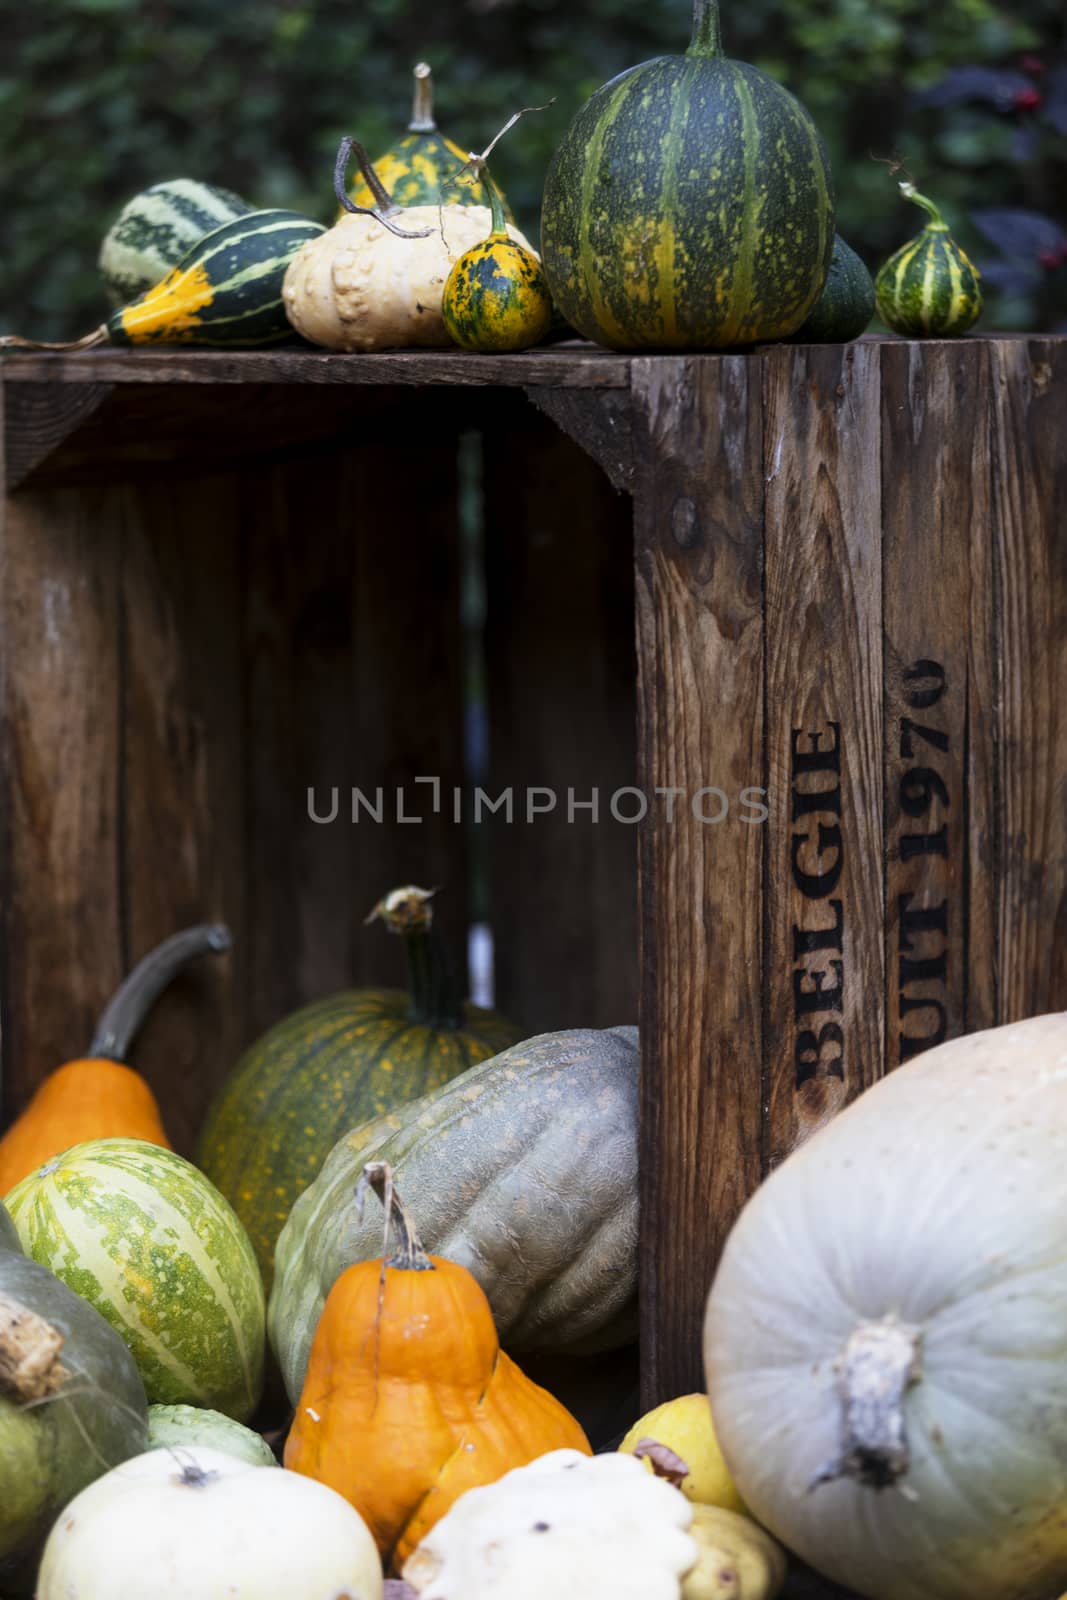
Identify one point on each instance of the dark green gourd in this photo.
(689, 205)
(846, 305)
(930, 288)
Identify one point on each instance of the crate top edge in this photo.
(570, 366)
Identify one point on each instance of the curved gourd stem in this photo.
(136, 996)
(706, 38)
(422, 117)
(386, 206)
(499, 228)
(875, 1370)
(435, 999)
(937, 224)
(88, 341)
(408, 1254)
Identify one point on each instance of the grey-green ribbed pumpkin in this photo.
(333, 1065)
(846, 305)
(9, 1239)
(930, 287)
(539, 1146)
(689, 205)
(68, 1416)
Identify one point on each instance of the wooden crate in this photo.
(227, 578)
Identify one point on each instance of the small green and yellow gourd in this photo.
(930, 288)
(496, 297)
(421, 168)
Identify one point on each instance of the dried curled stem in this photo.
(30, 1368)
(664, 1462)
(386, 207)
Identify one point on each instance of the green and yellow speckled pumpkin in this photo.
(930, 287)
(421, 168)
(496, 296)
(334, 1065)
(689, 205)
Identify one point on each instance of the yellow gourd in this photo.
(496, 297)
(685, 1427)
(738, 1561)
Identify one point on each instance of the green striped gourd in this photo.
(846, 305)
(226, 290)
(70, 1408)
(175, 1427)
(140, 1233)
(335, 1064)
(420, 169)
(930, 287)
(689, 205)
(496, 296)
(155, 229)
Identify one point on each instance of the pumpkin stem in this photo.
(665, 1463)
(136, 995)
(706, 38)
(435, 998)
(408, 1254)
(422, 117)
(30, 1369)
(499, 229)
(88, 341)
(386, 206)
(878, 1365)
(938, 223)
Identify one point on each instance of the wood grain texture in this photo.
(597, 419)
(575, 365)
(824, 958)
(698, 520)
(1029, 398)
(942, 847)
(63, 948)
(181, 760)
(560, 674)
(39, 417)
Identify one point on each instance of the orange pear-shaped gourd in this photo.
(409, 1400)
(98, 1096)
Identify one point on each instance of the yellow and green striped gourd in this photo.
(142, 1235)
(155, 229)
(421, 168)
(496, 296)
(930, 288)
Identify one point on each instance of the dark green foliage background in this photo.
(99, 98)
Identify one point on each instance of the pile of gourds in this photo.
(884, 1340)
(689, 206)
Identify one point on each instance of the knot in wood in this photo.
(685, 523)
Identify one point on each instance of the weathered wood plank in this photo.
(700, 641)
(39, 417)
(1029, 398)
(63, 949)
(560, 675)
(824, 958)
(181, 824)
(580, 366)
(597, 419)
(941, 845)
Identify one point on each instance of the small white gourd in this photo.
(566, 1524)
(886, 1335)
(370, 283)
(198, 1524)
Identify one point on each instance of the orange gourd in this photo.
(98, 1096)
(409, 1400)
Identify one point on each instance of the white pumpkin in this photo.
(886, 1336)
(598, 1527)
(361, 287)
(198, 1524)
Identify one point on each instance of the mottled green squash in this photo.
(333, 1065)
(155, 229)
(421, 168)
(844, 309)
(689, 205)
(73, 1413)
(539, 1146)
(496, 296)
(177, 1427)
(930, 288)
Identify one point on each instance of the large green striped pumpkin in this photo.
(334, 1065)
(140, 1233)
(155, 229)
(689, 205)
